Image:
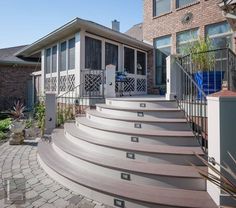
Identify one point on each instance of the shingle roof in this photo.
(136, 31)
(7, 56)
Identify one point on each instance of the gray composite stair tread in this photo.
(136, 119)
(137, 147)
(126, 164)
(125, 189)
(144, 109)
(133, 131)
(146, 98)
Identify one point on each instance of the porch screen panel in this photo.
(63, 56)
(71, 54)
(111, 54)
(93, 53)
(129, 60)
(54, 59)
(141, 63)
(48, 61)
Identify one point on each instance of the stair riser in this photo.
(141, 105)
(143, 125)
(138, 178)
(147, 114)
(139, 156)
(93, 194)
(159, 140)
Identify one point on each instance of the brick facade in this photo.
(205, 12)
(13, 84)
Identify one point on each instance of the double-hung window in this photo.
(162, 50)
(185, 39)
(183, 3)
(220, 35)
(161, 7)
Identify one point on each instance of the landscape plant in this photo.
(222, 175)
(40, 116)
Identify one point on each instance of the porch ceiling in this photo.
(75, 26)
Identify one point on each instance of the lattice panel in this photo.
(129, 85)
(141, 85)
(47, 84)
(71, 82)
(54, 84)
(92, 82)
(117, 87)
(62, 84)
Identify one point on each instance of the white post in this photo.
(221, 137)
(50, 114)
(43, 77)
(110, 87)
(173, 78)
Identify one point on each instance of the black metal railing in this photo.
(214, 67)
(200, 75)
(192, 100)
(75, 101)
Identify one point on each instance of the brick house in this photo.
(171, 24)
(15, 77)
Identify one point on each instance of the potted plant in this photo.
(203, 62)
(18, 124)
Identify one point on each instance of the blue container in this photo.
(210, 82)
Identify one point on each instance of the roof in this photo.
(75, 26)
(136, 31)
(7, 56)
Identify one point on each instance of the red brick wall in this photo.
(204, 12)
(13, 84)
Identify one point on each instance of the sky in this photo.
(25, 21)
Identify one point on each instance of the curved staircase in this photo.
(130, 152)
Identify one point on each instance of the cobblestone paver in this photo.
(41, 190)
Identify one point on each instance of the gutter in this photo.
(75, 25)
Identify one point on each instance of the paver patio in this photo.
(41, 190)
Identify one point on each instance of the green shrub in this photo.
(40, 116)
(5, 124)
(3, 135)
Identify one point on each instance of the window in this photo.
(220, 35)
(111, 54)
(48, 61)
(162, 50)
(182, 3)
(184, 40)
(54, 59)
(71, 54)
(93, 53)
(129, 60)
(63, 56)
(141, 63)
(161, 7)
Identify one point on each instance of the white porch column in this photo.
(77, 58)
(221, 136)
(43, 71)
(110, 87)
(173, 78)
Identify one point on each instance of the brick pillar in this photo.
(221, 137)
